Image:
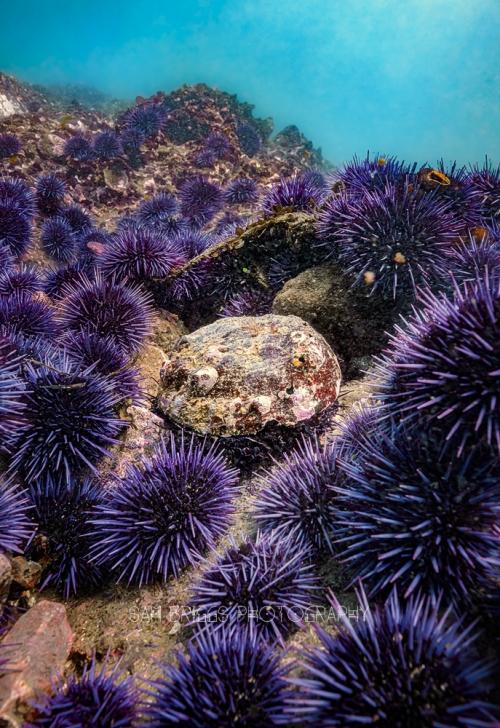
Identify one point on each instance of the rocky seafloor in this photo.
(249, 422)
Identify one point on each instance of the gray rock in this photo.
(353, 323)
(235, 375)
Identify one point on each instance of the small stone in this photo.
(237, 374)
(116, 179)
(25, 573)
(5, 577)
(39, 644)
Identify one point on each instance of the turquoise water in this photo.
(416, 78)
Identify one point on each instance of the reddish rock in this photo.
(40, 643)
(235, 375)
(5, 577)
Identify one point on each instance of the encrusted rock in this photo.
(37, 647)
(25, 573)
(140, 439)
(235, 375)
(149, 362)
(167, 330)
(353, 323)
(5, 577)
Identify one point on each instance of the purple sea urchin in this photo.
(453, 185)
(7, 261)
(249, 139)
(200, 200)
(146, 119)
(215, 147)
(62, 510)
(297, 498)
(363, 424)
(442, 367)
(248, 303)
(486, 181)
(316, 179)
(107, 145)
(21, 280)
(396, 666)
(241, 191)
(79, 148)
(369, 175)
(295, 193)
(11, 388)
(284, 266)
(157, 210)
(163, 515)
(108, 309)
(57, 279)
(15, 226)
(9, 145)
(23, 314)
(191, 243)
(98, 698)
(139, 254)
(15, 524)
(69, 421)
(266, 584)
(227, 224)
(410, 516)
(58, 239)
(224, 680)
(217, 144)
(76, 217)
(204, 159)
(131, 141)
(93, 242)
(17, 192)
(107, 359)
(330, 224)
(391, 241)
(50, 192)
(188, 243)
(473, 259)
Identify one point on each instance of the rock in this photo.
(140, 439)
(247, 256)
(235, 375)
(149, 364)
(352, 323)
(116, 178)
(9, 106)
(25, 573)
(167, 330)
(39, 644)
(5, 577)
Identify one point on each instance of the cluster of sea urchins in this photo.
(405, 497)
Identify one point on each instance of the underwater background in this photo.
(416, 78)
